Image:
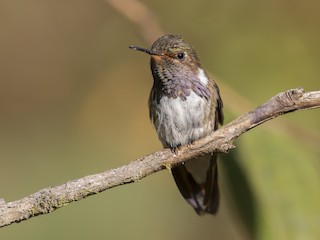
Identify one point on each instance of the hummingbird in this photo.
(185, 105)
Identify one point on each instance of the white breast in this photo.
(181, 121)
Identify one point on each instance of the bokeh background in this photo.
(73, 101)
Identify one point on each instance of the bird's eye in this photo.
(181, 55)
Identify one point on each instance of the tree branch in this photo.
(52, 198)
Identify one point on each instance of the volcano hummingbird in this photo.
(185, 105)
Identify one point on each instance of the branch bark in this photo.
(52, 198)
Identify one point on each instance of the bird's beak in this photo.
(145, 51)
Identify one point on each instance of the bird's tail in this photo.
(197, 181)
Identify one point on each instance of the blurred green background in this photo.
(73, 101)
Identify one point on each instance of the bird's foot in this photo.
(176, 150)
(189, 145)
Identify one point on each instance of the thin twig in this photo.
(51, 198)
(138, 13)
